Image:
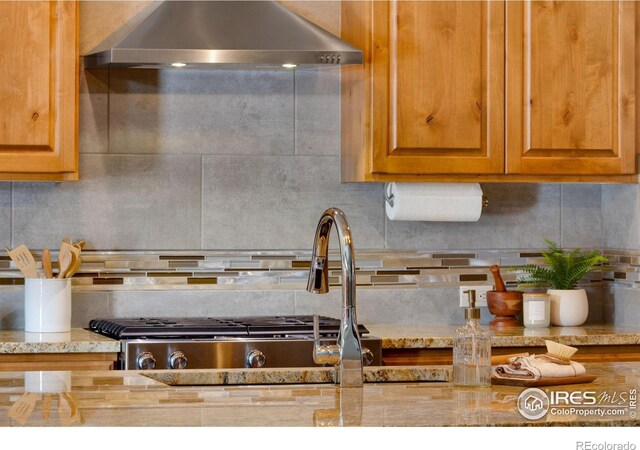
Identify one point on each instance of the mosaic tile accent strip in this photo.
(623, 267)
(140, 270)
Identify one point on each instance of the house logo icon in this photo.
(533, 404)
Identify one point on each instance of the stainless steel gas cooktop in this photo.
(224, 342)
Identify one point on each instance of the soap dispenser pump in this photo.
(472, 349)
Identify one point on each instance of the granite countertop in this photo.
(77, 341)
(441, 336)
(117, 398)
(394, 336)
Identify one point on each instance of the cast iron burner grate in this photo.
(210, 327)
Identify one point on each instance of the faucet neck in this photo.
(319, 271)
(350, 368)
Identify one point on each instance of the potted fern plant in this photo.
(563, 271)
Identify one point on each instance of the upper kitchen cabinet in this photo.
(38, 90)
(430, 98)
(570, 80)
(489, 91)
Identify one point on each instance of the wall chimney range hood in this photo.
(222, 34)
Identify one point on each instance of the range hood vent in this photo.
(223, 34)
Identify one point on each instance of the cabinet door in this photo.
(438, 71)
(570, 87)
(38, 90)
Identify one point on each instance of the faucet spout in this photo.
(350, 348)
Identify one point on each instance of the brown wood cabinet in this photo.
(38, 90)
(439, 356)
(489, 91)
(57, 361)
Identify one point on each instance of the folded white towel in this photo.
(533, 368)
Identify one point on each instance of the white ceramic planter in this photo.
(569, 308)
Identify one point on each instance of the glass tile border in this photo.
(287, 269)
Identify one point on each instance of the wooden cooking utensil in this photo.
(500, 287)
(46, 263)
(23, 259)
(21, 410)
(69, 268)
(75, 265)
(65, 258)
(73, 248)
(46, 405)
(67, 409)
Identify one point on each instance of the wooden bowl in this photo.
(505, 306)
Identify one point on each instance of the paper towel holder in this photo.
(388, 197)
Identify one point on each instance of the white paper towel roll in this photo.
(434, 202)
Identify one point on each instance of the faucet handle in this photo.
(323, 354)
(367, 356)
(316, 328)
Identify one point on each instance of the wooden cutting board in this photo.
(544, 382)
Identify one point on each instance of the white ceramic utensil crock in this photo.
(47, 305)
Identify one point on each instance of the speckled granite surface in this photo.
(441, 336)
(302, 375)
(122, 398)
(77, 341)
(393, 336)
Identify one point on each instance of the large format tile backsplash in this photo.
(248, 160)
(244, 162)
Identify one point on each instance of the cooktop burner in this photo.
(209, 327)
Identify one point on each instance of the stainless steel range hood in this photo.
(223, 34)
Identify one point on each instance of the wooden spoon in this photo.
(23, 259)
(46, 263)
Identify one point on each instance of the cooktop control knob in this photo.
(256, 359)
(367, 356)
(177, 360)
(146, 361)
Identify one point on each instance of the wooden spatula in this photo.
(23, 407)
(46, 263)
(23, 259)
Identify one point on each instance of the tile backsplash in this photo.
(405, 287)
(161, 179)
(192, 160)
(283, 270)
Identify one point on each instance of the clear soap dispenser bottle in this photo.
(472, 350)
